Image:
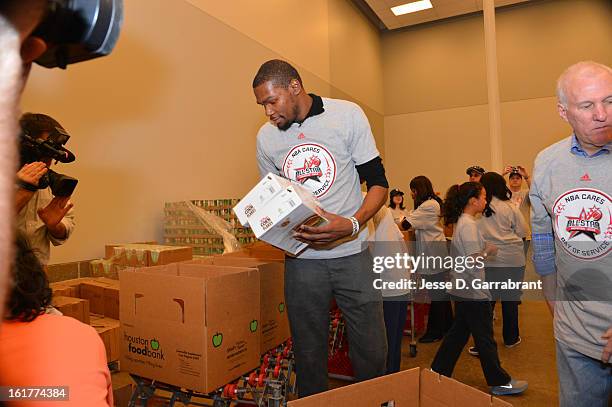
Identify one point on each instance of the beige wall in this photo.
(171, 115)
(429, 143)
(435, 86)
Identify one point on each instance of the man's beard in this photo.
(288, 123)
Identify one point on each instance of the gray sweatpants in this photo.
(310, 286)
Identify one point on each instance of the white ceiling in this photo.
(441, 9)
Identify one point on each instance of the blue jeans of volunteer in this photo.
(583, 381)
(310, 286)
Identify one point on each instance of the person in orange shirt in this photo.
(39, 349)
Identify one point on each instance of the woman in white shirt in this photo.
(504, 226)
(386, 241)
(430, 243)
(396, 204)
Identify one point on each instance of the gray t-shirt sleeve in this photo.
(361, 140)
(264, 162)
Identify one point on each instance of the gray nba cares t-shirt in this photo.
(321, 154)
(467, 241)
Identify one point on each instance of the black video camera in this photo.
(34, 149)
(79, 30)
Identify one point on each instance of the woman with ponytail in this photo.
(505, 227)
(431, 242)
(473, 313)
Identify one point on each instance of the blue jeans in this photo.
(583, 381)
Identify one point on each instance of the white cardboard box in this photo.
(267, 188)
(276, 220)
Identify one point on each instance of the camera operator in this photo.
(43, 217)
(520, 195)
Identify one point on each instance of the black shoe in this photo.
(427, 338)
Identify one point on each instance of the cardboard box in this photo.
(110, 331)
(122, 394)
(268, 254)
(103, 296)
(108, 268)
(68, 288)
(109, 249)
(274, 208)
(72, 307)
(111, 296)
(277, 221)
(409, 388)
(145, 255)
(264, 256)
(269, 186)
(61, 290)
(190, 325)
(94, 293)
(273, 313)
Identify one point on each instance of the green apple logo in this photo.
(281, 307)
(154, 344)
(253, 325)
(217, 339)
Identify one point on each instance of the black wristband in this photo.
(27, 186)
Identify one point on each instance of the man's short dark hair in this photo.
(35, 124)
(279, 72)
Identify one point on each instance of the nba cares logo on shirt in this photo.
(583, 223)
(311, 165)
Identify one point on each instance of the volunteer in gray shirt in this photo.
(571, 223)
(327, 146)
(504, 226)
(473, 313)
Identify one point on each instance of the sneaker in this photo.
(514, 344)
(514, 387)
(473, 351)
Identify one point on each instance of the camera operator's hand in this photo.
(53, 214)
(28, 176)
(507, 170)
(32, 172)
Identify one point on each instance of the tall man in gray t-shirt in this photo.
(571, 218)
(327, 146)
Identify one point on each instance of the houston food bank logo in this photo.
(144, 347)
(313, 166)
(583, 223)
